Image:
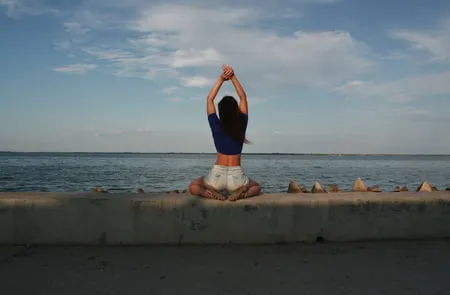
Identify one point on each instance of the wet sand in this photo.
(414, 267)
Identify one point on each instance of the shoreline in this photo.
(243, 154)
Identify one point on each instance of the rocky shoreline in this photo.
(358, 186)
(295, 188)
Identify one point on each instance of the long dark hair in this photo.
(230, 118)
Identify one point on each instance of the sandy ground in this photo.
(357, 268)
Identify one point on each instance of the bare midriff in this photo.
(228, 160)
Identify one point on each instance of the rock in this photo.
(99, 190)
(318, 189)
(140, 191)
(173, 192)
(398, 189)
(332, 188)
(448, 189)
(294, 188)
(425, 187)
(374, 189)
(184, 191)
(434, 189)
(359, 186)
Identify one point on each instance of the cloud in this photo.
(75, 68)
(402, 90)
(189, 43)
(74, 28)
(435, 42)
(170, 89)
(14, 7)
(195, 81)
(301, 57)
(17, 8)
(196, 58)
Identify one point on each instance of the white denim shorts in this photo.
(229, 178)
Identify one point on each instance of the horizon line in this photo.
(213, 153)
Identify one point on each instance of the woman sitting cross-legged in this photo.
(229, 136)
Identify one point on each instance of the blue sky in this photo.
(332, 76)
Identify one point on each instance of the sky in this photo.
(322, 76)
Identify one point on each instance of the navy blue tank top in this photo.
(224, 143)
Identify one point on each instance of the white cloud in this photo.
(16, 8)
(195, 81)
(407, 89)
(303, 57)
(183, 42)
(196, 58)
(256, 100)
(151, 41)
(75, 68)
(170, 89)
(75, 28)
(435, 42)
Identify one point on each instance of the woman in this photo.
(229, 136)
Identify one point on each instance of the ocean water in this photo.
(45, 172)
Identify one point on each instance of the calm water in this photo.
(163, 172)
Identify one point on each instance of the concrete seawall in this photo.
(145, 219)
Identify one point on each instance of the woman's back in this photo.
(228, 148)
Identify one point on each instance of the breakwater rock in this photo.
(295, 188)
(358, 187)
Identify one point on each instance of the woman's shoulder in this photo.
(243, 116)
(213, 117)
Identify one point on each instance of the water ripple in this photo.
(155, 173)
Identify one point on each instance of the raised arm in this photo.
(243, 105)
(210, 107)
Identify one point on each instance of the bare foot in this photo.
(215, 195)
(241, 193)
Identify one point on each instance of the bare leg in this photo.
(199, 188)
(250, 190)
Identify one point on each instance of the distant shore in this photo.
(255, 154)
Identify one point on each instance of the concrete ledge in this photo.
(145, 219)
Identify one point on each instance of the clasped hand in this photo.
(227, 72)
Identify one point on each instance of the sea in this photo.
(127, 172)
